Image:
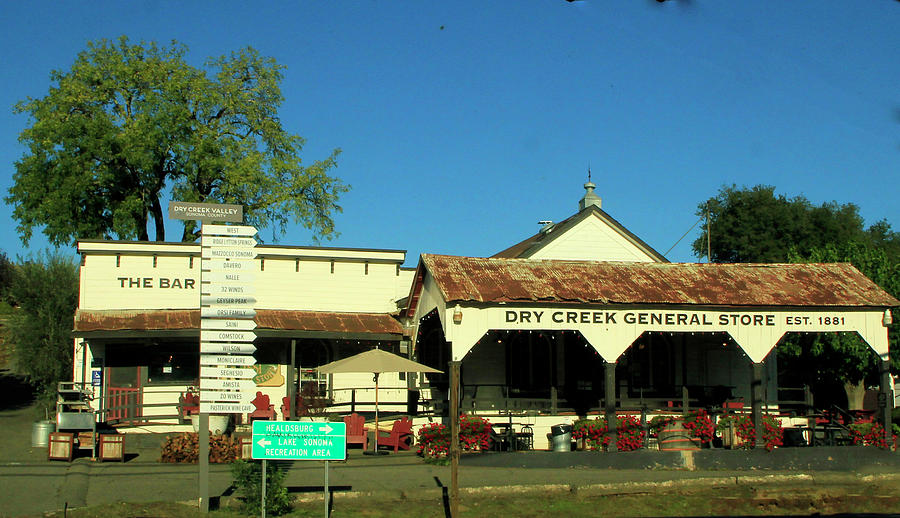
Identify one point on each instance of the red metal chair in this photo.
(188, 405)
(400, 436)
(356, 430)
(264, 409)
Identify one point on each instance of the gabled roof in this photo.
(528, 247)
(497, 280)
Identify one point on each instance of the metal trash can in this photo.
(561, 437)
(40, 433)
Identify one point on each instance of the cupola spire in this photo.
(589, 197)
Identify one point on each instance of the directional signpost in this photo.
(226, 323)
(298, 440)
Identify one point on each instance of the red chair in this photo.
(286, 410)
(264, 409)
(188, 405)
(400, 437)
(356, 430)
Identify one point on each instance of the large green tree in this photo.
(130, 125)
(825, 358)
(44, 290)
(754, 225)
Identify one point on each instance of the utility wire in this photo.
(683, 235)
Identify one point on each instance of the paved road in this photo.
(37, 487)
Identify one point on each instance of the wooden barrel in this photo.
(675, 437)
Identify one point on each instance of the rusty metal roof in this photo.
(376, 323)
(471, 279)
(87, 321)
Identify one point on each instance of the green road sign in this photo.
(299, 440)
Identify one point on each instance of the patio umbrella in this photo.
(375, 361)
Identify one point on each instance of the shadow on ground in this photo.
(17, 393)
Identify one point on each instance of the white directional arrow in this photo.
(227, 300)
(226, 312)
(235, 278)
(217, 395)
(223, 359)
(207, 407)
(228, 241)
(219, 384)
(226, 372)
(231, 253)
(222, 347)
(233, 265)
(235, 289)
(263, 442)
(228, 230)
(231, 325)
(218, 335)
(325, 429)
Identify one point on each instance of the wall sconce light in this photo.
(457, 315)
(888, 318)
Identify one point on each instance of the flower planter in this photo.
(218, 424)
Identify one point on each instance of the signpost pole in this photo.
(262, 504)
(327, 493)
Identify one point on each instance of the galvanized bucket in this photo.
(40, 433)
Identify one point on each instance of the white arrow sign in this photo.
(226, 312)
(224, 359)
(226, 300)
(230, 277)
(263, 442)
(226, 372)
(227, 241)
(207, 335)
(234, 265)
(222, 347)
(228, 230)
(219, 384)
(325, 428)
(207, 407)
(235, 325)
(216, 395)
(231, 253)
(234, 289)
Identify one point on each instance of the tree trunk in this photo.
(855, 393)
(158, 222)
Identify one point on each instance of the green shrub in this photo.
(248, 481)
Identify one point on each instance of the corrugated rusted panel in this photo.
(138, 320)
(376, 323)
(508, 280)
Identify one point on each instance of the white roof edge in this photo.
(144, 248)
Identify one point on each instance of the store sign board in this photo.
(206, 211)
(297, 440)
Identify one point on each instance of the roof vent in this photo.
(547, 225)
(589, 197)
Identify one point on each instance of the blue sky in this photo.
(464, 123)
